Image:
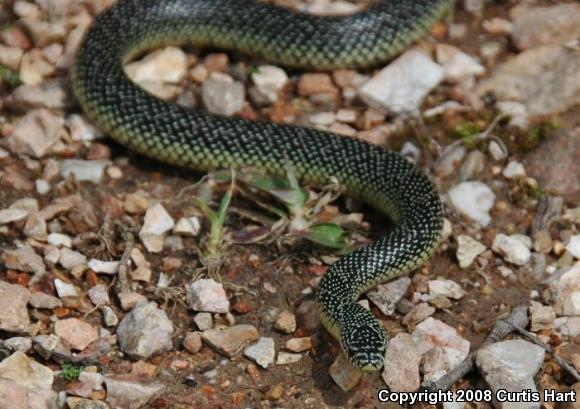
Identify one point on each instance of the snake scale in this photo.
(203, 141)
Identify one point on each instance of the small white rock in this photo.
(65, 289)
(269, 80)
(84, 170)
(222, 95)
(511, 249)
(82, 130)
(446, 288)
(402, 85)
(105, 267)
(166, 65)
(12, 215)
(573, 246)
(457, 65)
(262, 352)
(59, 240)
(514, 169)
(187, 226)
(207, 295)
(467, 250)
(474, 200)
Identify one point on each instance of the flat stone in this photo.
(286, 322)
(81, 129)
(262, 352)
(542, 316)
(467, 250)
(511, 249)
(76, 333)
(401, 371)
(511, 365)
(187, 226)
(555, 165)
(131, 392)
(203, 320)
(569, 326)
(26, 372)
(55, 93)
(433, 333)
(24, 259)
(446, 288)
(573, 246)
(457, 65)
(343, 373)
(230, 341)
(105, 267)
(403, 84)
(70, 259)
(269, 80)
(12, 215)
(22, 344)
(15, 396)
(418, 314)
(157, 222)
(84, 170)
(166, 65)
(42, 300)
(556, 84)
(192, 342)
(299, 344)
(35, 133)
(207, 295)
(568, 292)
(13, 312)
(287, 358)
(80, 403)
(386, 296)
(145, 331)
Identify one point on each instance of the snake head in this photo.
(364, 341)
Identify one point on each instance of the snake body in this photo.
(203, 141)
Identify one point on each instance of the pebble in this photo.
(166, 65)
(511, 365)
(474, 200)
(573, 246)
(386, 296)
(35, 227)
(457, 65)
(64, 289)
(109, 316)
(36, 133)
(299, 344)
(568, 293)
(512, 249)
(10, 57)
(343, 373)
(93, 379)
(187, 226)
(498, 26)
(514, 170)
(542, 316)
(401, 371)
(549, 25)
(230, 341)
(145, 331)
(53, 93)
(207, 295)
(286, 322)
(418, 314)
(192, 342)
(59, 240)
(99, 296)
(411, 152)
(569, 326)
(316, 83)
(203, 320)
(517, 112)
(269, 80)
(433, 333)
(287, 358)
(13, 312)
(82, 130)
(262, 352)
(446, 288)
(130, 391)
(84, 170)
(26, 372)
(45, 301)
(80, 403)
(76, 333)
(130, 299)
(472, 166)
(222, 95)
(403, 84)
(105, 267)
(70, 259)
(157, 222)
(467, 250)
(12, 215)
(556, 84)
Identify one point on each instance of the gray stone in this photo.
(262, 352)
(474, 200)
(343, 373)
(511, 249)
(145, 331)
(131, 392)
(26, 372)
(386, 296)
(222, 95)
(467, 250)
(230, 341)
(13, 312)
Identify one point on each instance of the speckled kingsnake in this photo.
(200, 140)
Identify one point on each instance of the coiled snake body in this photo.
(200, 140)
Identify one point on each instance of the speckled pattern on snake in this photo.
(203, 141)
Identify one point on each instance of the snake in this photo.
(197, 139)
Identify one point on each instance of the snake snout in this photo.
(366, 346)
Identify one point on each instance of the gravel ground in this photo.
(123, 285)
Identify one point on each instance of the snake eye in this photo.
(365, 347)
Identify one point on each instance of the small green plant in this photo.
(466, 131)
(9, 76)
(215, 242)
(71, 371)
